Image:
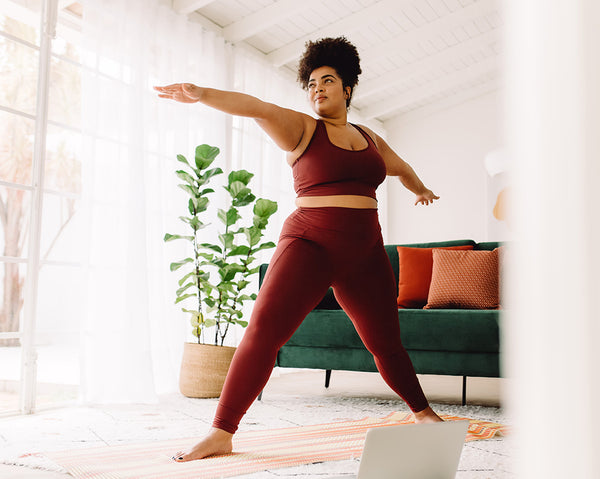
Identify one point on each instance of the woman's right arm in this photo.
(286, 127)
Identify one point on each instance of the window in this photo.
(19, 72)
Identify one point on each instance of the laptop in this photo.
(412, 451)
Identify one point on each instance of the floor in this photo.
(290, 398)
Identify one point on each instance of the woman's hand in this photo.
(426, 197)
(181, 92)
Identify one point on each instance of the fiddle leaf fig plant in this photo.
(216, 274)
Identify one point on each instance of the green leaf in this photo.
(244, 297)
(243, 324)
(209, 174)
(213, 247)
(235, 188)
(268, 245)
(195, 223)
(244, 198)
(231, 217)
(175, 266)
(170, 237)
(208, 256)
(201, 204)
(203, 276)
(265, 208)
(226, 240)
(242, 284)
(183, 159)
(242, 176)
(209, 323)
(185, 296)
(210, 302)
(205, 155)
(183, 288)
(253, 235)
(185, 176)
(186, 277)
(239, 251)
(229, 271)
(190, 190)
(195, 332)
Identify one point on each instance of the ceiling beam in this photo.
(350, 23)
(265, 18)
(188, 6)
(432, 62)
(442, 84)
(430, 30)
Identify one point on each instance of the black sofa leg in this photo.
(327, 377)
(464, 391)
(259, 396)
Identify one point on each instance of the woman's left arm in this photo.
(396, 166)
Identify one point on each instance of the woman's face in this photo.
(326, 93)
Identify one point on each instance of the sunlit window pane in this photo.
(63, 160)
(12, 276)
(14, 204)
(22, 22)
(60, 240)
(16, 148)
(18, 75)
(65, 93)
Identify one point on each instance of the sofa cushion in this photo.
(427, 330)
(392, 250)
(461, 330)
(464, 280)
(414, 274)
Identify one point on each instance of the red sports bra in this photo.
(325, 169)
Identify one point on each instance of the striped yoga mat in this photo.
(254, 451)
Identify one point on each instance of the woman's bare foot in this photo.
(427, 415)
(214, 443)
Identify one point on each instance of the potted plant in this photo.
(215, 275)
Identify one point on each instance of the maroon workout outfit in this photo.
(318, 248)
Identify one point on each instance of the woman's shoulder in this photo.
(310, 126)
(369, 132)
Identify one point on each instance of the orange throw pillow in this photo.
(464, 280)
(414, 274)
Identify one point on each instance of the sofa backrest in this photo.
(329, 301)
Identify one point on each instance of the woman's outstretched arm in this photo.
(286, 127)
(396, 166)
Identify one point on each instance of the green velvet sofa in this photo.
(453, 342)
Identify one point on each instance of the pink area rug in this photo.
(253, 451)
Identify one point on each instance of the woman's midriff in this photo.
(343, 201)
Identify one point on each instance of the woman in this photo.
(332, 239)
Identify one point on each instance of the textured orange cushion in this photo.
(464, 280)
(414, 274)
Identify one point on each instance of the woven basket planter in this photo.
(203, 369)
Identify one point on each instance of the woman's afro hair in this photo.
(337, 53)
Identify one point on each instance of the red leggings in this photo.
(319, 248)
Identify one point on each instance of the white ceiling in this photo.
(417, 56)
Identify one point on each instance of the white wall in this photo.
(447, 150)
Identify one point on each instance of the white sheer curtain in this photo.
(132, 332)
(552, 329)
